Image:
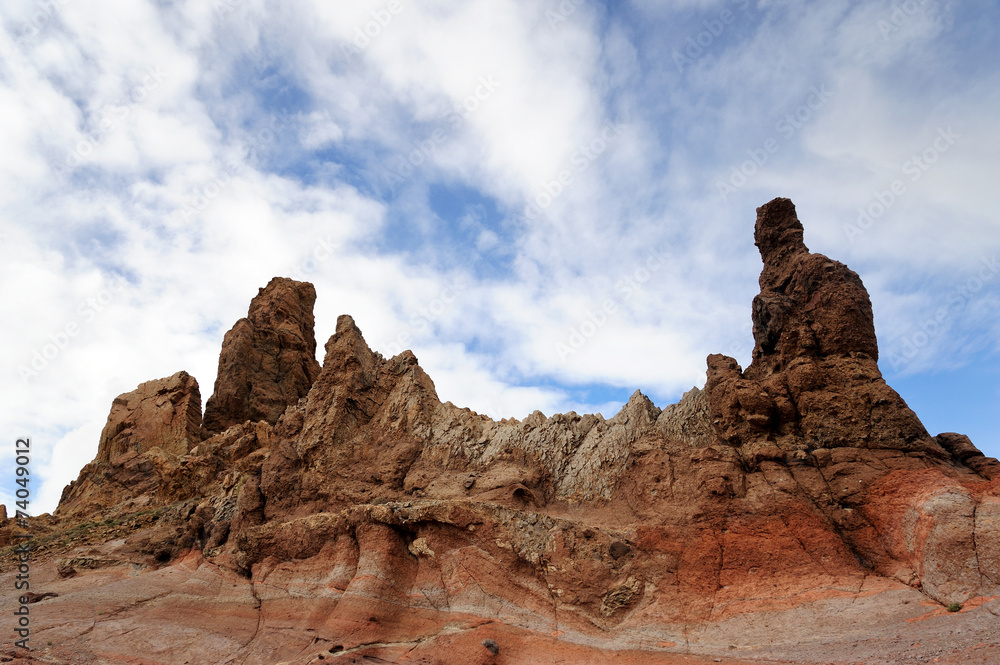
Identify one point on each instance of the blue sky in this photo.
(551, 203)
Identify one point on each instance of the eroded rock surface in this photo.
(814, 381)
(268, 359)
(346, 513)
(164, 414)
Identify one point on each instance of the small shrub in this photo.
(955, 607)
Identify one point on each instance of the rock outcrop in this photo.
(348, 515)
(814, 381)
(164, 414)
(268, 359)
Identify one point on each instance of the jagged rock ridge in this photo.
(347, 512)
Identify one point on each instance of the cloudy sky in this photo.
(551, 203)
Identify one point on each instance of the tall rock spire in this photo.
(809, 306)
(814, 381)
(268, 359)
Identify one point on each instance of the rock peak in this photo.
(165, 414)
(809, 306)
(345, 323)
(814, 379)
(778, 232)
(268, 359)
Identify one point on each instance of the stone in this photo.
(987, 539)
(164, 414)
(808, 305)
(814, 378)
(964, 451)
(268, 359)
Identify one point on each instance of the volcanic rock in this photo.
(491, 646)
(814, 381)
(348, 515)
(962, 450)
(164, 414)
(268, 359)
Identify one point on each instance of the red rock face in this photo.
(164, 414)
(797, 503)
(268, 359)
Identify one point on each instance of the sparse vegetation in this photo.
(954, 607)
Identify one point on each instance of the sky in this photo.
(550, 202)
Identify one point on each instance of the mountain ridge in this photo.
(354, 515)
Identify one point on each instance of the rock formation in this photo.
(348, 515)
(164, 414)
(814, 381)
(268, 359)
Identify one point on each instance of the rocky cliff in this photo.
(268, 359)
(346, 514)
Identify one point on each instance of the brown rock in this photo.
(784, 512)
(814, 379)
(164, 414)
(809, 305)
(962, 450)
(365, 413)
(268, 360)
(959, 445)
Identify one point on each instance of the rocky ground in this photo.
(194, 612)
